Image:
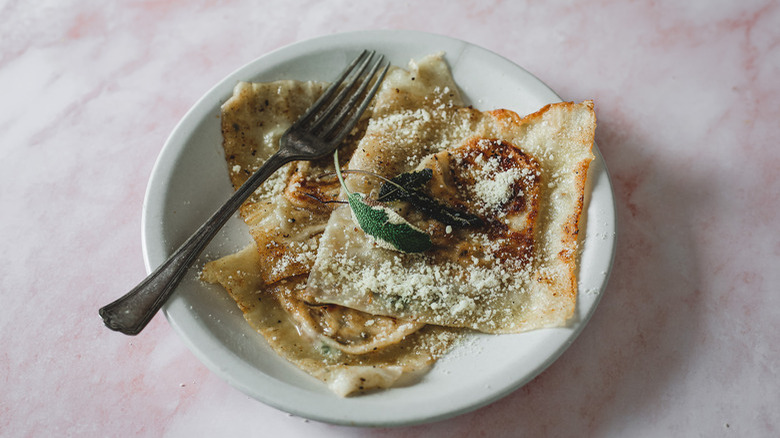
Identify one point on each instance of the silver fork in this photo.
(314, 135)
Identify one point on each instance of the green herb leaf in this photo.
(405, 182)
(407, 187)
(384, 224)
(388, 226)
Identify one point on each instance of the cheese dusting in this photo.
(339, 300)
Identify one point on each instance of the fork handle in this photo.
(132, 312)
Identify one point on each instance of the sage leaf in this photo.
(404, 183)
(387, 227)
(408, 187)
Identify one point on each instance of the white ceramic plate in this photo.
(189, 182)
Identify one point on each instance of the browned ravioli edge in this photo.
(570, 233)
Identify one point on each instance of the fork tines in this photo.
(339, 108)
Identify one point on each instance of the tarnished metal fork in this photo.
(316, 134)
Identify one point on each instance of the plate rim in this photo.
(198, 111)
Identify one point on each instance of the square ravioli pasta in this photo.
(524, 177)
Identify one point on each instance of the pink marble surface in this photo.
(685, 341)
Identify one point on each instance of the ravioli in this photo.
(344, 373)
(357, 316)
(285, 228)
(524, 176)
